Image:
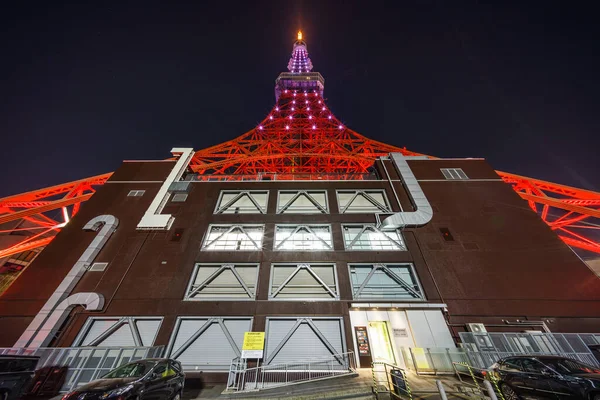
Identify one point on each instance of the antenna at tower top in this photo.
(299, 35)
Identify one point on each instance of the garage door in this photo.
(208, 343)
(298, 339)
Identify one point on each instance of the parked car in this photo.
(148, 379)
(16, 373)
(546, 377)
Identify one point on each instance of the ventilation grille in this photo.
(454, 173)
(98, 266)
(136, 193)
(179, 197)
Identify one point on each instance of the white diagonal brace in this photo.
(193, 338)
(325, 286)
(206, 282)
(137, 338)
(286, 281)
(232, 342)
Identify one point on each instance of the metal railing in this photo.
(479, 380)
(84, 364)
(241, 378)
(285, 177)
(391, 380)
(484, 349)
(432, 360)
(485, 359)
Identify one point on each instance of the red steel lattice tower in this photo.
(299, 139)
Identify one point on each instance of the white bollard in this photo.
(441, 390)
(490, 389)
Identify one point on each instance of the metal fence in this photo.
(484, 349)
(241, 378)
(432, 360)
(85, 363)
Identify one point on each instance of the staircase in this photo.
(342, 387)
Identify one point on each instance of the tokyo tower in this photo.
(300, 139)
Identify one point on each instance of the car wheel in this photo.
(508, 392)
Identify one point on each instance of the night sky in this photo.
(86, 86)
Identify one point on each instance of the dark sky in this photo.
(85, 86)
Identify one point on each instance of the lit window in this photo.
(368, 237)
(454, 173)
(136, 193)
(242, 202)
(302, 202)
(385, 281)
(303, 237)
(303, 281)
(363, 201)
(234, 237)
(223, 281)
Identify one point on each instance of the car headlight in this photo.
(116, 392)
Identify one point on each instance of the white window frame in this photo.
(282, 208)
(455, 174)
(232, 227)
(371, 227)
(335, 295)
(224, 266)
(120, 321)
(306, 227)
(220, 209)
(136, 193)
(385, 267)
(365, 193)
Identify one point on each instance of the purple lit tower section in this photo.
(299, 62)
(300, 76)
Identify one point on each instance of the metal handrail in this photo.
(492, 390)
(388, 381)
(242, 379)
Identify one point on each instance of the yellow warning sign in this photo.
(254, 341)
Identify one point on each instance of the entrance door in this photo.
(381, 345)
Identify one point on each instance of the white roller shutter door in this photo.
(300, 339)
(204, 343)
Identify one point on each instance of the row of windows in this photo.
(300, 238)
(304, 281)
(302, 202)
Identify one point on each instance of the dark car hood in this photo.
(102, 385)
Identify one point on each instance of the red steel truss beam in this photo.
(44, 208)
(39, 194)
(575, 193)
(33, 206)
(557, 203)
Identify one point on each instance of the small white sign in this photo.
(252, 354)
(400, 332)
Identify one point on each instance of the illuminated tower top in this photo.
(300, 76)
(299, 61)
